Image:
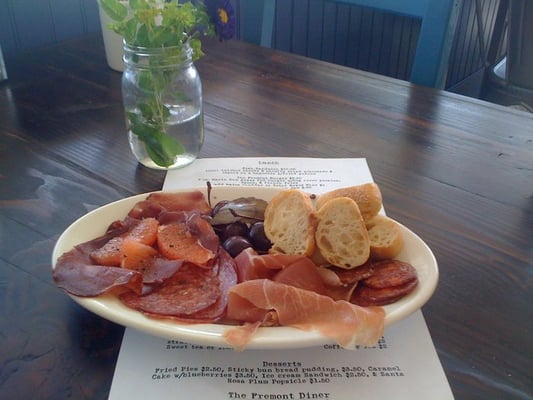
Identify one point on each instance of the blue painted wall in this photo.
(25, 24)
(347, 35)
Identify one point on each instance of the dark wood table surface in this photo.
(457, 171)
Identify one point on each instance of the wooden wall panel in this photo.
(26, 24)
(472, 40)
(349, 35)
(354, 36)
(379, 42)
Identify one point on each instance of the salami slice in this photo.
(366, 296)
(188, 291)
(354, 275)
(227, 277)
(389, 273)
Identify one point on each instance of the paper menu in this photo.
(404, 364)
(313, 174)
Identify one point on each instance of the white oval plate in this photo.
(95, 223)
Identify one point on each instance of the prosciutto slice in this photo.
(294, 270)
(251, 265)
(347, 324)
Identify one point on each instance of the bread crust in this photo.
(290, 223)
(367, 196)
(341, 234)
(332, 229)
(386, 239)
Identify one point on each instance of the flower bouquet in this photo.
(160, 86)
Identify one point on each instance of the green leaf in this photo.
(143, 37)
(130, 30)
(139, 5)
(114, 9)
(163, 149)
(158, 24)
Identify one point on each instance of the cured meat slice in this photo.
(227, 277)
(204, 231)
(251, 265)
(185, 201)
(158, 202)
(188, 291)
(192, 294)
(145, 231)
(302, 274)
(349, 325)
(160, 269)
(388, 273)
(354, 275)
(145, 209)
(74, 273)
(111, 253)
(240, 336)
(294, 270)
(176, 242)
(136, 255)
(116, 228)
(390, 281)
(367, 296)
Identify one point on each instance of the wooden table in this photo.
(456, 170)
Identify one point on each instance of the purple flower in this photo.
(223, 18)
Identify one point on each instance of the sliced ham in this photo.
(240, 336)
(294, 270)
(251, 265)
(349, 325)
(303, 274)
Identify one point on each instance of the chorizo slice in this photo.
(354, 275)
(366, 296)
(390, 273)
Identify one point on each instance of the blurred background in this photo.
(491, 54)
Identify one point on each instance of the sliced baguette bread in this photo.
(367, 196)
(385, 236)
(341, 234)
(290, 223)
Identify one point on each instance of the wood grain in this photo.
(457, 171)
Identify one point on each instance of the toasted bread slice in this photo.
(385, 236)
(290, 223)
(341, 234)
(367, 196)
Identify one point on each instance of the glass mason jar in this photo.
(162, 96)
